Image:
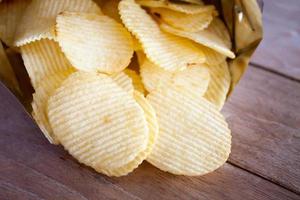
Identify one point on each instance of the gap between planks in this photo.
(251, 64)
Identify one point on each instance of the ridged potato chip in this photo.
(180, 7)
(153, 133)
(11, 12)
(208, 37)
(38, 21)
(198, 2)
(124, 81)
(219, 84)
(110, 8)
(136, 80)
(36, 59)
(195, 78)
(194, 138)
(43, 58)
(212, 57)
(40, 98)
(165, 50)
(186, 22)
(105, 43)
(99, 123)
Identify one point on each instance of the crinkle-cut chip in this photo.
(99, 123)
(40, 98)
(194, 138)
(219, 84)
(136, 80)
(124, 81)
(165, 50)
(212, 57)
(186, 22)
(195, 78)
(43, 58)
(94, 42)
(198, 2)
(39, 18)
(110, 8)
(11, 12)
(180, 7)
(207, 37)
(151, 119)
(141, 57)
(136, 45)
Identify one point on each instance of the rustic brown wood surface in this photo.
(263, 113)
(280, 49)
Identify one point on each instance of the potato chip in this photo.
(124, 81)
(105, 44)
(212, 57)
(165, 50)
(11, 12)
(43, 58)
(40, 98)
(153, 132)
(38, 20)
(195, 78)
(136, 80)
(194, 138)
(136, 45)
(99, 123)
(187, 22)
(219, 84)
(208, 37)
(110, 8)
(198, 2)
(141, 57)
(7, 74)
(180, 7)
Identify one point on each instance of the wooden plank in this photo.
(225, 183)
(280, 48)
(34, 168)
(264, 115)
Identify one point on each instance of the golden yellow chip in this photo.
(136, 80)
(208, 37)
(194, 78)
(141, 57)
(212, 57)
(124, 81)
(11, 12)
(198, 2)
(184, 8)
(43, 58)
(187, 22)
(110, 8)
(194, 138)
(94, 42)
(99, 123)
(38, 20)
(165, 50)
(219, 84)
(153, 132)
(40, 98)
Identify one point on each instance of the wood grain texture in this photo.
(264, 115)
(280, 48)
(30, 167)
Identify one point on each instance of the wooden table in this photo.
(263, 113)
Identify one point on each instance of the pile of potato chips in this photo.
(118, 82)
